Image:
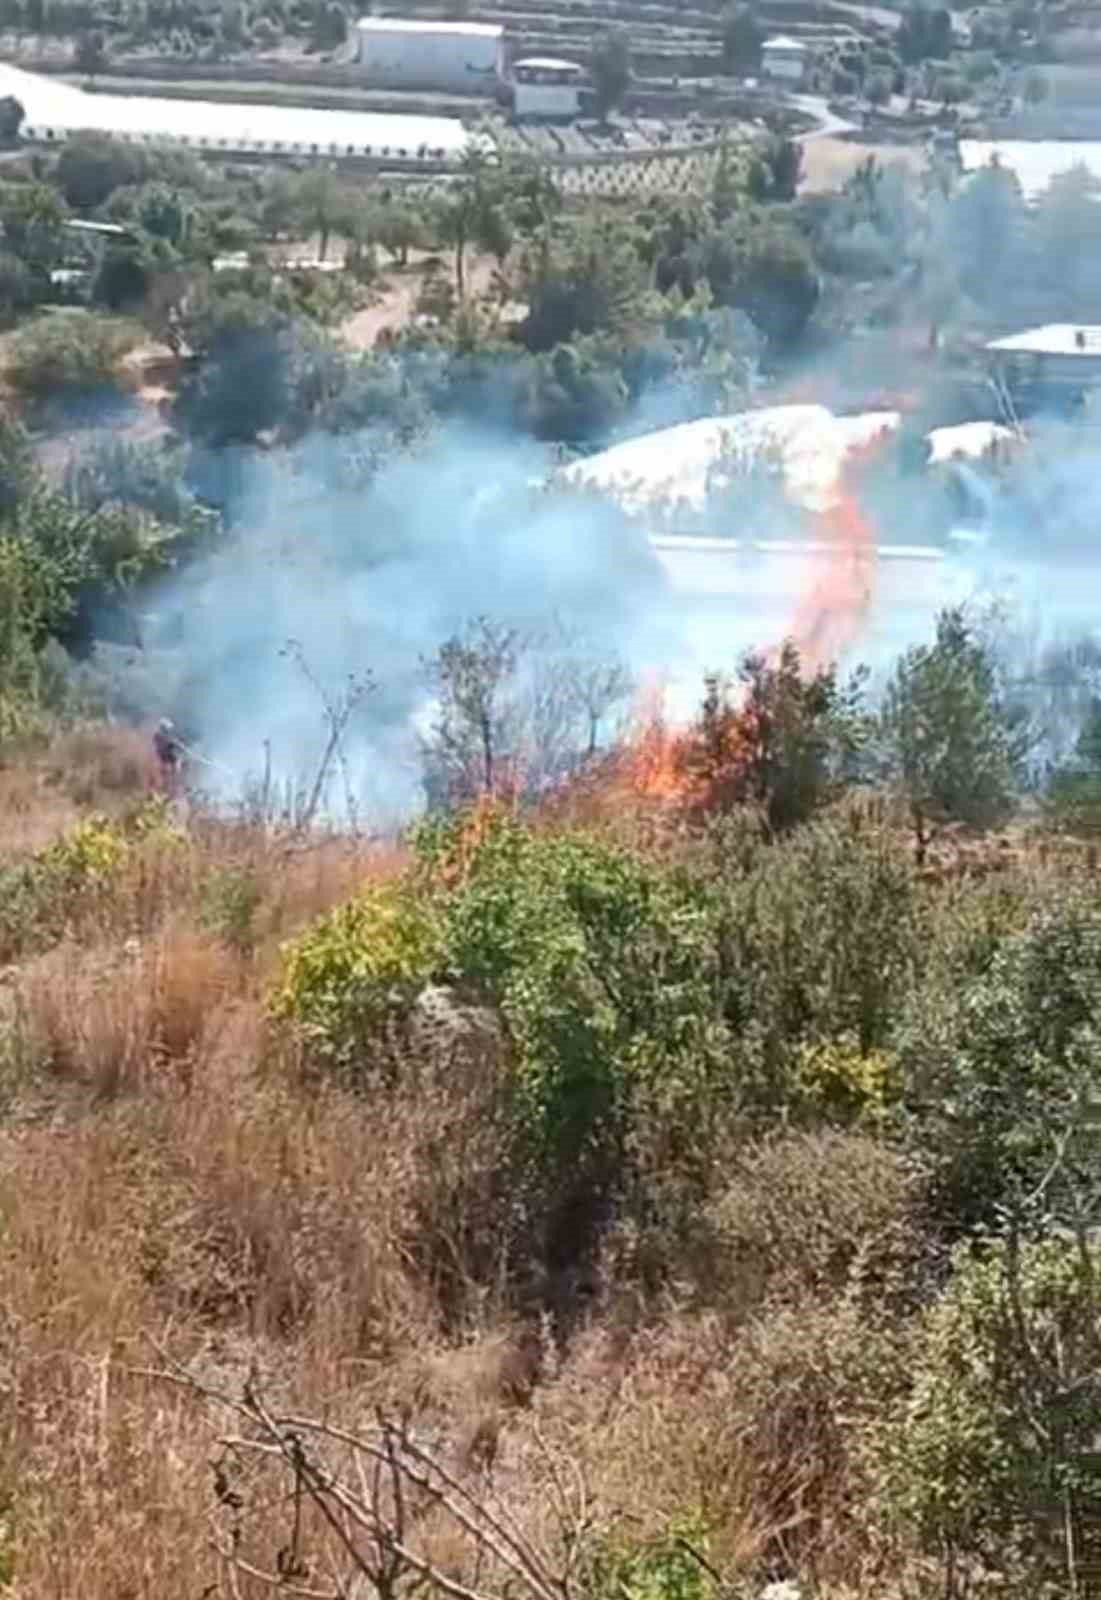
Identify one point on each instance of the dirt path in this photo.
(829, 161)
(397, 296)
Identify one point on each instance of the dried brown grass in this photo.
(174, 1193)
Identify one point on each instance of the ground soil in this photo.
(828, 161)
(395, 300)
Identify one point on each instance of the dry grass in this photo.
(168, 1192)
(828, 163)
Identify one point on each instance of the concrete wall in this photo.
(547, 100)
(784, 66)
(424, 60)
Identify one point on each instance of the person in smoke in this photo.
(169, 753)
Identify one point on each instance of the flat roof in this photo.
(201, 124)
(1034, 161)
(471, 30)
(781, 43)
(1054, 339)
(549, 63)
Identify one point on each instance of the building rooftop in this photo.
(782, 45)
(1056, 339)
(684, 465)
(549, 64)
(1034, 161)
(58, 109)
(471, 30)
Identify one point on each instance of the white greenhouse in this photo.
(54, 111)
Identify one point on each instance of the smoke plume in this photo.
(370, 576)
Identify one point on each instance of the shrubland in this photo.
(664, 1182)
(602, 1193)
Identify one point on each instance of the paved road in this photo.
(829, 123)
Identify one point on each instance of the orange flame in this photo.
(665, 765)
(830, 614)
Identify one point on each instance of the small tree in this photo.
(743, 37)
(611, 70)
(994, 1457)
(1073, 799)
(90, 54)
(11, 118)
(475, 212)
(776, 170)
(947, 737)
(472, 674)
(783, 744)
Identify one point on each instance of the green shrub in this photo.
(992, 1066)
(69, 350)
(356, 969)
(230, 902)
(820, 938)
(601, 964)
(989, 1458)
(806, 1216)
(73, 876)
(839, 1080)
(662, 1568)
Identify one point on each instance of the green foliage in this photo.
(69, 352)
(988, 1458)
(666, 1567)
(1073, 797)
(600, 965)
(818, 944)
(925, 33)
(783, 742)
(775, 169)
(843, 1083)
(993, 1062)
(230, 902)
(742, 39)
(610, 66)
(356, 969)
(582, 278)
(948, 739)
(90, 53)
(12, 116)
(37, 896)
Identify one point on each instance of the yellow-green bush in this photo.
(41, 895)
(356, 967)
(838, 1078)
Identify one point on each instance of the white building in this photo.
(1060, 353)
(1034, 161)
(546, 87)
(784, 58)
(463, 57)
(55, 112)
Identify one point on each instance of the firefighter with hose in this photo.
(169, 751)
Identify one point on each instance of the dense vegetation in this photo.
(669, 1169)
(715, 1152)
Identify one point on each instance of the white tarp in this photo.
(676, 466)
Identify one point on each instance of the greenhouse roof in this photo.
(53, 110)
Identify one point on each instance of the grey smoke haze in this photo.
(371, 579)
